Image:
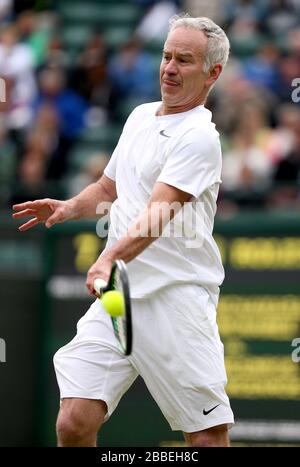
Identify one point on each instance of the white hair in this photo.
(218, 46)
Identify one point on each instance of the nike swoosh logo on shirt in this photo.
(162, 133)
(206, 412)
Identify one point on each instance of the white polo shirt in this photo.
(182, 150)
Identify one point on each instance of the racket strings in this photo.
(120, 326)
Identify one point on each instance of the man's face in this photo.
(183, 82)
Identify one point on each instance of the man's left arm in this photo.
(165, 201)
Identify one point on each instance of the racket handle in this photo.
(99, 285)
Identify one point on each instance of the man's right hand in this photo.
(47, 211)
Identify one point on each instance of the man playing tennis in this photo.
(168, 155)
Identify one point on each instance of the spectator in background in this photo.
(5, 10)
(235, 93)
(287, 176)
(283, 139)
(132, 75)
(17, 66)
(262, 68)
(247, 165)
(282, 17)
(289, 69)
(93, 169)
(8, 163)
(70, 111)
(236, 12)
(33, 34)
(154, 24)
(55, 55)
(90, 74)
(40, 148)
(42, 141)
(244, 20)
(214, 9)
(293, 41)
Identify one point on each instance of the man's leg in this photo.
(90, 370)
(187, 376)
(216, 436)
(79, 421)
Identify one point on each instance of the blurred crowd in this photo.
(66, 89)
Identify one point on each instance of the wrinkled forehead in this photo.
(187, 40)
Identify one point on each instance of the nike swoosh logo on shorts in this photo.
(162, 133)
(206, 412)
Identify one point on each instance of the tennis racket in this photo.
(122, 325)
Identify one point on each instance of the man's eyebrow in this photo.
(182, 54)
(186, 54)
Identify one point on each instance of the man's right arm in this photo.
(52, 211)
(85, 204)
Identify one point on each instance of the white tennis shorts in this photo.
(176, 350)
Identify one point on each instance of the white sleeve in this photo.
(193, 163)
(110, 169)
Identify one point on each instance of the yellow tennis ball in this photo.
(113, 302)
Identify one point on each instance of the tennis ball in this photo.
(113, 302)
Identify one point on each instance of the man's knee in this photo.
(79, 419)
(69, 428)
(216, 436)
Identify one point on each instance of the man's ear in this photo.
(213, 74)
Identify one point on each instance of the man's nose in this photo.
(171, 67)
